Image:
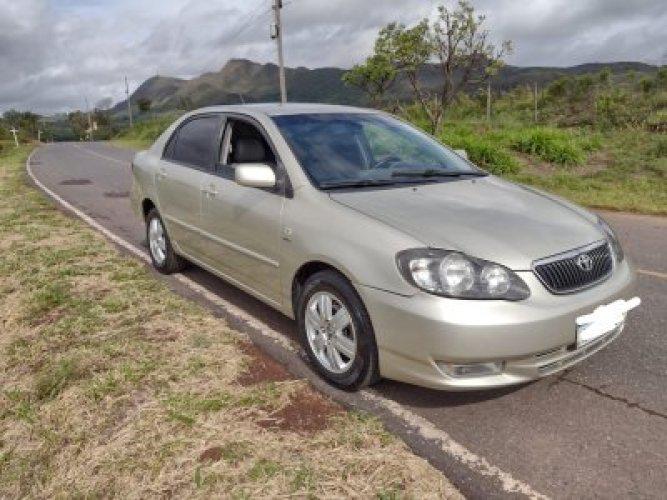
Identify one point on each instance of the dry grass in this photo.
(112, 386)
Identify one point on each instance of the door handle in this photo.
(210, 191)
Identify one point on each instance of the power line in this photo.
(252, 17)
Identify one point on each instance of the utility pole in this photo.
(14, 133)
(90, 120)
(129, 104)
(277, 34)
(535, 102)
(488, 102)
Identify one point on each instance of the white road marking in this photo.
(454, 449)
(99, 155)
(423, 427)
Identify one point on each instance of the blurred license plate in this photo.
(603, 320)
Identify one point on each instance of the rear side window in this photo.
(195, 143)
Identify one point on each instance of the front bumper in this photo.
(418, 335)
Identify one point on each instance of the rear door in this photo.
(242, 225)
(189, 155)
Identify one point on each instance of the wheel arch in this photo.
(305, 271)
(146, 206)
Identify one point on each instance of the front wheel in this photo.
(336, 331)
(164, 259)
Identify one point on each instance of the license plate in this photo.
(603, 320)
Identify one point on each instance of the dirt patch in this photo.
(535, 167)
(597, 162)
(213, 454)
(117, 194)
(75, 182)
(49, 318)
(261, 368)
(160, 335)
(307, 411)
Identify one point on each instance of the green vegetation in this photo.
(597, 138)
(113, 386)
(146, 131)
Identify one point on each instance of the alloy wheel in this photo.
(157, 241)
(330, 331)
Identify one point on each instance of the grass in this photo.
(145, 132)
(621, 169)
(552, 145)
(112, 386)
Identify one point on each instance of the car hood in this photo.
(484, 217)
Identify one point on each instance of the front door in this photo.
(241, 225)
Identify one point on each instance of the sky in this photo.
(56, 54)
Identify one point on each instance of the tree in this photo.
(462, 47)
(26, 122)
(456, 41)
(604, 76)
(144, 104)
(373, 77)
(647, 84)
(78, 122)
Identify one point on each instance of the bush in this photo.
(616, 109)
(149, 130)
(659, 149)
(481, 151)
(551, 145)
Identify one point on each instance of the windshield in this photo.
(361, 149)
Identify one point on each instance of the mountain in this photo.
(241, 80)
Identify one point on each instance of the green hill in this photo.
(241, 80)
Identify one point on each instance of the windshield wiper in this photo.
(432, 172)
(357, 183)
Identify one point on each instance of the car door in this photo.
(190, 153)
(242, 225)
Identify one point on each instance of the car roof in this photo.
(291, 108)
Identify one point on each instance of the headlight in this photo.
(613, 240)
(453, 274)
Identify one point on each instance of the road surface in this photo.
(597, 430)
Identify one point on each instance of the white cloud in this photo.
(56, 53)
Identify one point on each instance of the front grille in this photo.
(577, 269)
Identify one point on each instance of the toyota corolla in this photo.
(397, 257)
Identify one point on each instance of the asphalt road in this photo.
(597, 430)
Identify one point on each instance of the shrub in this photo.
(151, 129)
(659, 149)
(551, 145)
(481, 151)
(616, 109)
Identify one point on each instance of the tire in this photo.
(163, 257)
(320, 337)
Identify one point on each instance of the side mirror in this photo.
(257, 175)
(462, 153)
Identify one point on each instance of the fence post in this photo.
(488, 102)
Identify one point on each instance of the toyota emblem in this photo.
(584, 262)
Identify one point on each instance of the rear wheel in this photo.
(336, 331)
(164, 259)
